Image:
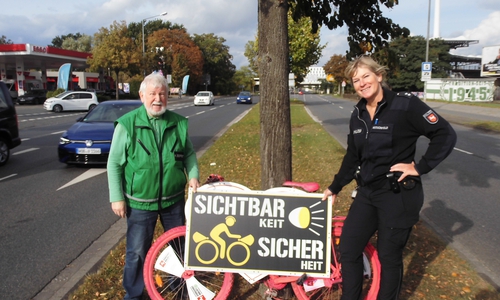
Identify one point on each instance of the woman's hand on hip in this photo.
(405, 169)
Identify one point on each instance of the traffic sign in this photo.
(426, 71)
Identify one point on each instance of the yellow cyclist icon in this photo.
(215, 234)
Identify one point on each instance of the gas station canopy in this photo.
(40, 57)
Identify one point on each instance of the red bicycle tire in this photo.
(219, 283)
(326, 293)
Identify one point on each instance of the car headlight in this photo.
(64, 141)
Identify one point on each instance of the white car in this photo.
(71, 100)
(204, 98)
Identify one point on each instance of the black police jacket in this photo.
(391, 137)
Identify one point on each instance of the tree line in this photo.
(119, 48)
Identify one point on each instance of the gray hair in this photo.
(155, 80)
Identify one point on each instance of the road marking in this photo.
(463, 151)
(24, 151)
(87, 175)
(7, 177)
(58, 132)
(48, 117)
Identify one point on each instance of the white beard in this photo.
(156, 114)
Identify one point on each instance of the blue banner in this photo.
(64, 76)
(185, 81)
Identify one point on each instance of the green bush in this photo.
(55, 93)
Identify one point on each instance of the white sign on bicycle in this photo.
(262, 232)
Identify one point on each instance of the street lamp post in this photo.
(427, 47)
(143, 46)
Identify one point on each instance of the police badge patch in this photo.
(431, 117)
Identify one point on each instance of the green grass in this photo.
(432, 269)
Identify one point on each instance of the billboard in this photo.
(490, 61)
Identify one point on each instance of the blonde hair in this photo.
(365, 61)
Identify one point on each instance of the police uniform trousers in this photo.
(377, 208)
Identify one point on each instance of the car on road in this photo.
(87, 142)
(9, 130)
(71, 100)
(204, 98)
(244, 97)
(32, 97)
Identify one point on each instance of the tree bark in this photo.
(275, 123)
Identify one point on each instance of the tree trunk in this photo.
(275, 123)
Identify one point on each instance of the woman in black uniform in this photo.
(384, 128)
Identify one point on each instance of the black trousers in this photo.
(391, 216)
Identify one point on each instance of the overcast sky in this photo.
(38, 22)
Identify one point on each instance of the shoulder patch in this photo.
(405, 94)
(431, 117)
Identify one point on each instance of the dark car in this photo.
(87, 142)
(33, 97)
(244, 97)
(9, 130)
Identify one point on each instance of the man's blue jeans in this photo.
(140, 230)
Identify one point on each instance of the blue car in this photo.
(87, 142)
(244, 97)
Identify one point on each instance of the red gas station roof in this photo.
(35, 57)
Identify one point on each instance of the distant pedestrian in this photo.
(150, 156)
(383, 132)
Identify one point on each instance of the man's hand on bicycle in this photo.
(194, 184)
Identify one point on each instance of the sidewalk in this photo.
(458, 113)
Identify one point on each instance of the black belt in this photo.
(391, 182)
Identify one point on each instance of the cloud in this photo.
(38, 22)
(487, 33)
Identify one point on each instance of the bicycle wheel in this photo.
(331, 288)
(163, 285)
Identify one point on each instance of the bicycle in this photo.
(161, 284)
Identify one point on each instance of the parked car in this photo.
(33, 97)
(89, 139)
(9, 130)
(112, 92)
(204, 98)
(71, 100)
(244, 97)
